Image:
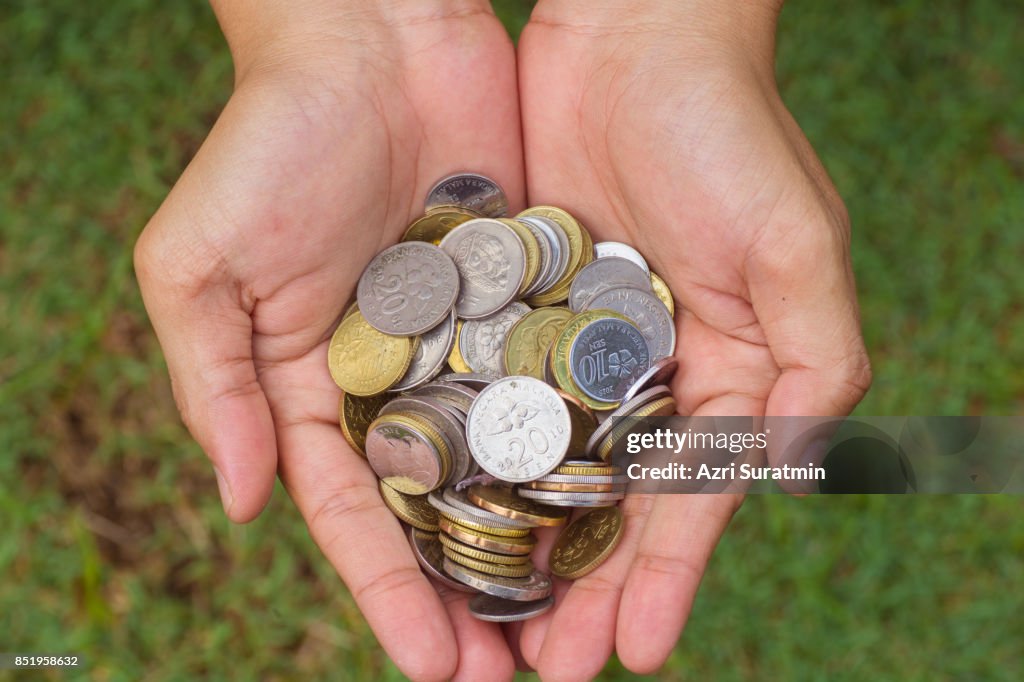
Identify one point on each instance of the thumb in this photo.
(206, 334)
(803, 293)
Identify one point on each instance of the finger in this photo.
(682, 530)
(337, 494)
(803, 292)
(677, 542)
(483, 652)
(206, 337)
(581, 635)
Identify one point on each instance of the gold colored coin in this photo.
(663, 407)
(599, 469)
(582, 422)
(484, 528)
(355, 414)
(507, 503)
(663, 293)
(433, 226)
(586, 543)
(492, 543)
(455, 359)
(422, 466)
(532, 249)
(560, 355)
(364, 361)
(413, 509)
(504, 570)
(354, 306)
(453, 545)
(529, 339)
(573, 487)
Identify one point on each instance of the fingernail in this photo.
(226, 498)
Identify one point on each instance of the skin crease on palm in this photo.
(341, 120)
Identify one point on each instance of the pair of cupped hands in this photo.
(655, 122)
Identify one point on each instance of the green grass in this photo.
(112, 542)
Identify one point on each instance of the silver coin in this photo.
(620, 250)
(427, 550)
(458, 514)
(624, 410)
(518, 429)
(447, 424)
(469, 190)
(491, 262)
(451, 393)
(578, 499)
(559, 242)
(603, 274)
(531, 588)
(408, 289)
(497, 610)
(649, 315)
(606, 358)
(475, 381)
(547, 261)
(460, 500)
(659, 374)
(599, 479)
(431, 355)
(404, 457)
(482, 342)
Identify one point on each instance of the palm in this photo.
(310, 173)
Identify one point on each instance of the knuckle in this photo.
(328, 520)
(682, 566)
(388, 582)
(598, 584)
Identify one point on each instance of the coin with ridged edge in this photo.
(413, 509)
(586, 543)
(606, 357)
(491, 263)
(408, 288)
(482, 342)
(460, 500)
(663, 293)
(528, 340)
(603, 274)
(427, 550)
(406, 454)
(518, 429)
(496, 610)
(355, 414)
(503, 570)
(364, 361)
(488, 541)
(470, 190)
(505, 502)
(531, 588)
(433, 226)
(482, 555)
(620, 250)
(646, 312)
(429, 359)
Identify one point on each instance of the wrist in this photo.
(743, 29)
(255, 27)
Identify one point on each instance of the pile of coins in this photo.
(485, 365)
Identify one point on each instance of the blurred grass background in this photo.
(112, 541)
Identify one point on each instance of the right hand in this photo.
(341, 119)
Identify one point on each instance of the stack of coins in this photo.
(487, 366)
